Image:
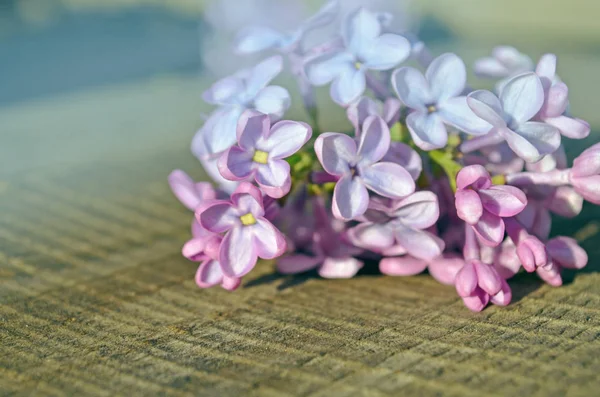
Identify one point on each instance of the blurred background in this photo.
(118, 80)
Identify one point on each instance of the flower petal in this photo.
(466, 280)
(340, 267)
(420, 210)
(348, 86)
(273, 100)
(406, 157)
(522, 97)
(532, 140)
(359, 111)
(468, 206)
(489, 229)
(444, 268)
(324, 16)
(487, 278)
(335, 152)
(209, 274)
(490, 67)
(503, 297)
(262, 74)
(251, 127)
(236, 164)
(473, 176)
(503, 201)
(324, 68)
(188, 192)
(224, 92)
(274, 178)
(556, 100)
(388, 179)
(391, 111)
(286, 138)
(268, 240)
(546, 67)
(372, 236)
(297, 263)
(412, 88)
(487, 106)
(478, 301)
(248, 198)
(567, 252)
(402, 266)
(565, 202)
(570, 127)
(257, 38)
(217, 216)
(418, 243)
(350, 198)
(374, 141)
(359, 29)
(447, 76)
(238, 253)
(194, 249)
(385, 52)
(218, 132)
(427, 130)
(456, 112)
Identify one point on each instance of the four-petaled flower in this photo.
(246, 89)
(365, 48)
(483, 205)
(248, 234)
(478, 283)
(436, 99)
(360, 169)
(260, 152)
(556, 101)
(520, 100)
(505, 62)
(398, 227)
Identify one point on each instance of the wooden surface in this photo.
(95, 298)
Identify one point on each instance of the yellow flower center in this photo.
(260, 157)
(357, 65)
(431, 108)
(248, 219)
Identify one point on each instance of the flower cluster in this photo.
(429, 174)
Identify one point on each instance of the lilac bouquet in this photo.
(430, 175)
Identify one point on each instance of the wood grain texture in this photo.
(96, 300)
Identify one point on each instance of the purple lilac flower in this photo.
(520, 100)
(479, 283)
(565, 253)
(399, 152)
(260, 152)
(205, 249)
(360, 169)
(584, 176)
(483, 205)
(505, 62)
(259, 38)
(531, 251)
(398, 227)
(435, 100)
(248, 234)
(365, 48)
(247, 89)
(329, 251)
(556, 100)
